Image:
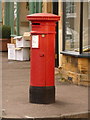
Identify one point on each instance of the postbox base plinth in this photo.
(42, 95)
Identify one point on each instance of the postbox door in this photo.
(37, 61)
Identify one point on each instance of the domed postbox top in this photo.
(43, 16)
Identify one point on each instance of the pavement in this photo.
(71, 100)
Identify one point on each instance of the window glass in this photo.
(72, 24)
(86, 26)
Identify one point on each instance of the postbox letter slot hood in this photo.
(43, 17)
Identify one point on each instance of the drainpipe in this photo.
(31, 7)
(0, 12)
(17, 19)
(40, 7)
(34, 7)
(12, 17)
(31, 11)
(7, 13)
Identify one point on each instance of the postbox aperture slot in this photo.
(35, 23)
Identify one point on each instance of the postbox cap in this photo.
(43, 16)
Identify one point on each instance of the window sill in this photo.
(76, 54)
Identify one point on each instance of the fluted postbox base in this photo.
(42, 95)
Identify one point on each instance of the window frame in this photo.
(72, 53)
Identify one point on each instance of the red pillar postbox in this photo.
(42, 87)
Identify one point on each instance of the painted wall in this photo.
(23, 12)
(47, 6)
(60, 31)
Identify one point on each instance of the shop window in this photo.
(86, 27)
(72, 12)
(76, 27)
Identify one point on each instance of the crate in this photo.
(21, 42)
(22, 54)
(11, 51)
(13, 41)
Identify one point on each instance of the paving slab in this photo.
(70, 99)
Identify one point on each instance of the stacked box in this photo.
(22, 43)
(11, 52)
(21, 50)
(22, 54)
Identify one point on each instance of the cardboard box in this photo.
(13, 41)
(22, 54)
(11, 52)
(26, 36)
(20, 42)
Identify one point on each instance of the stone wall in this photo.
(76, 70)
